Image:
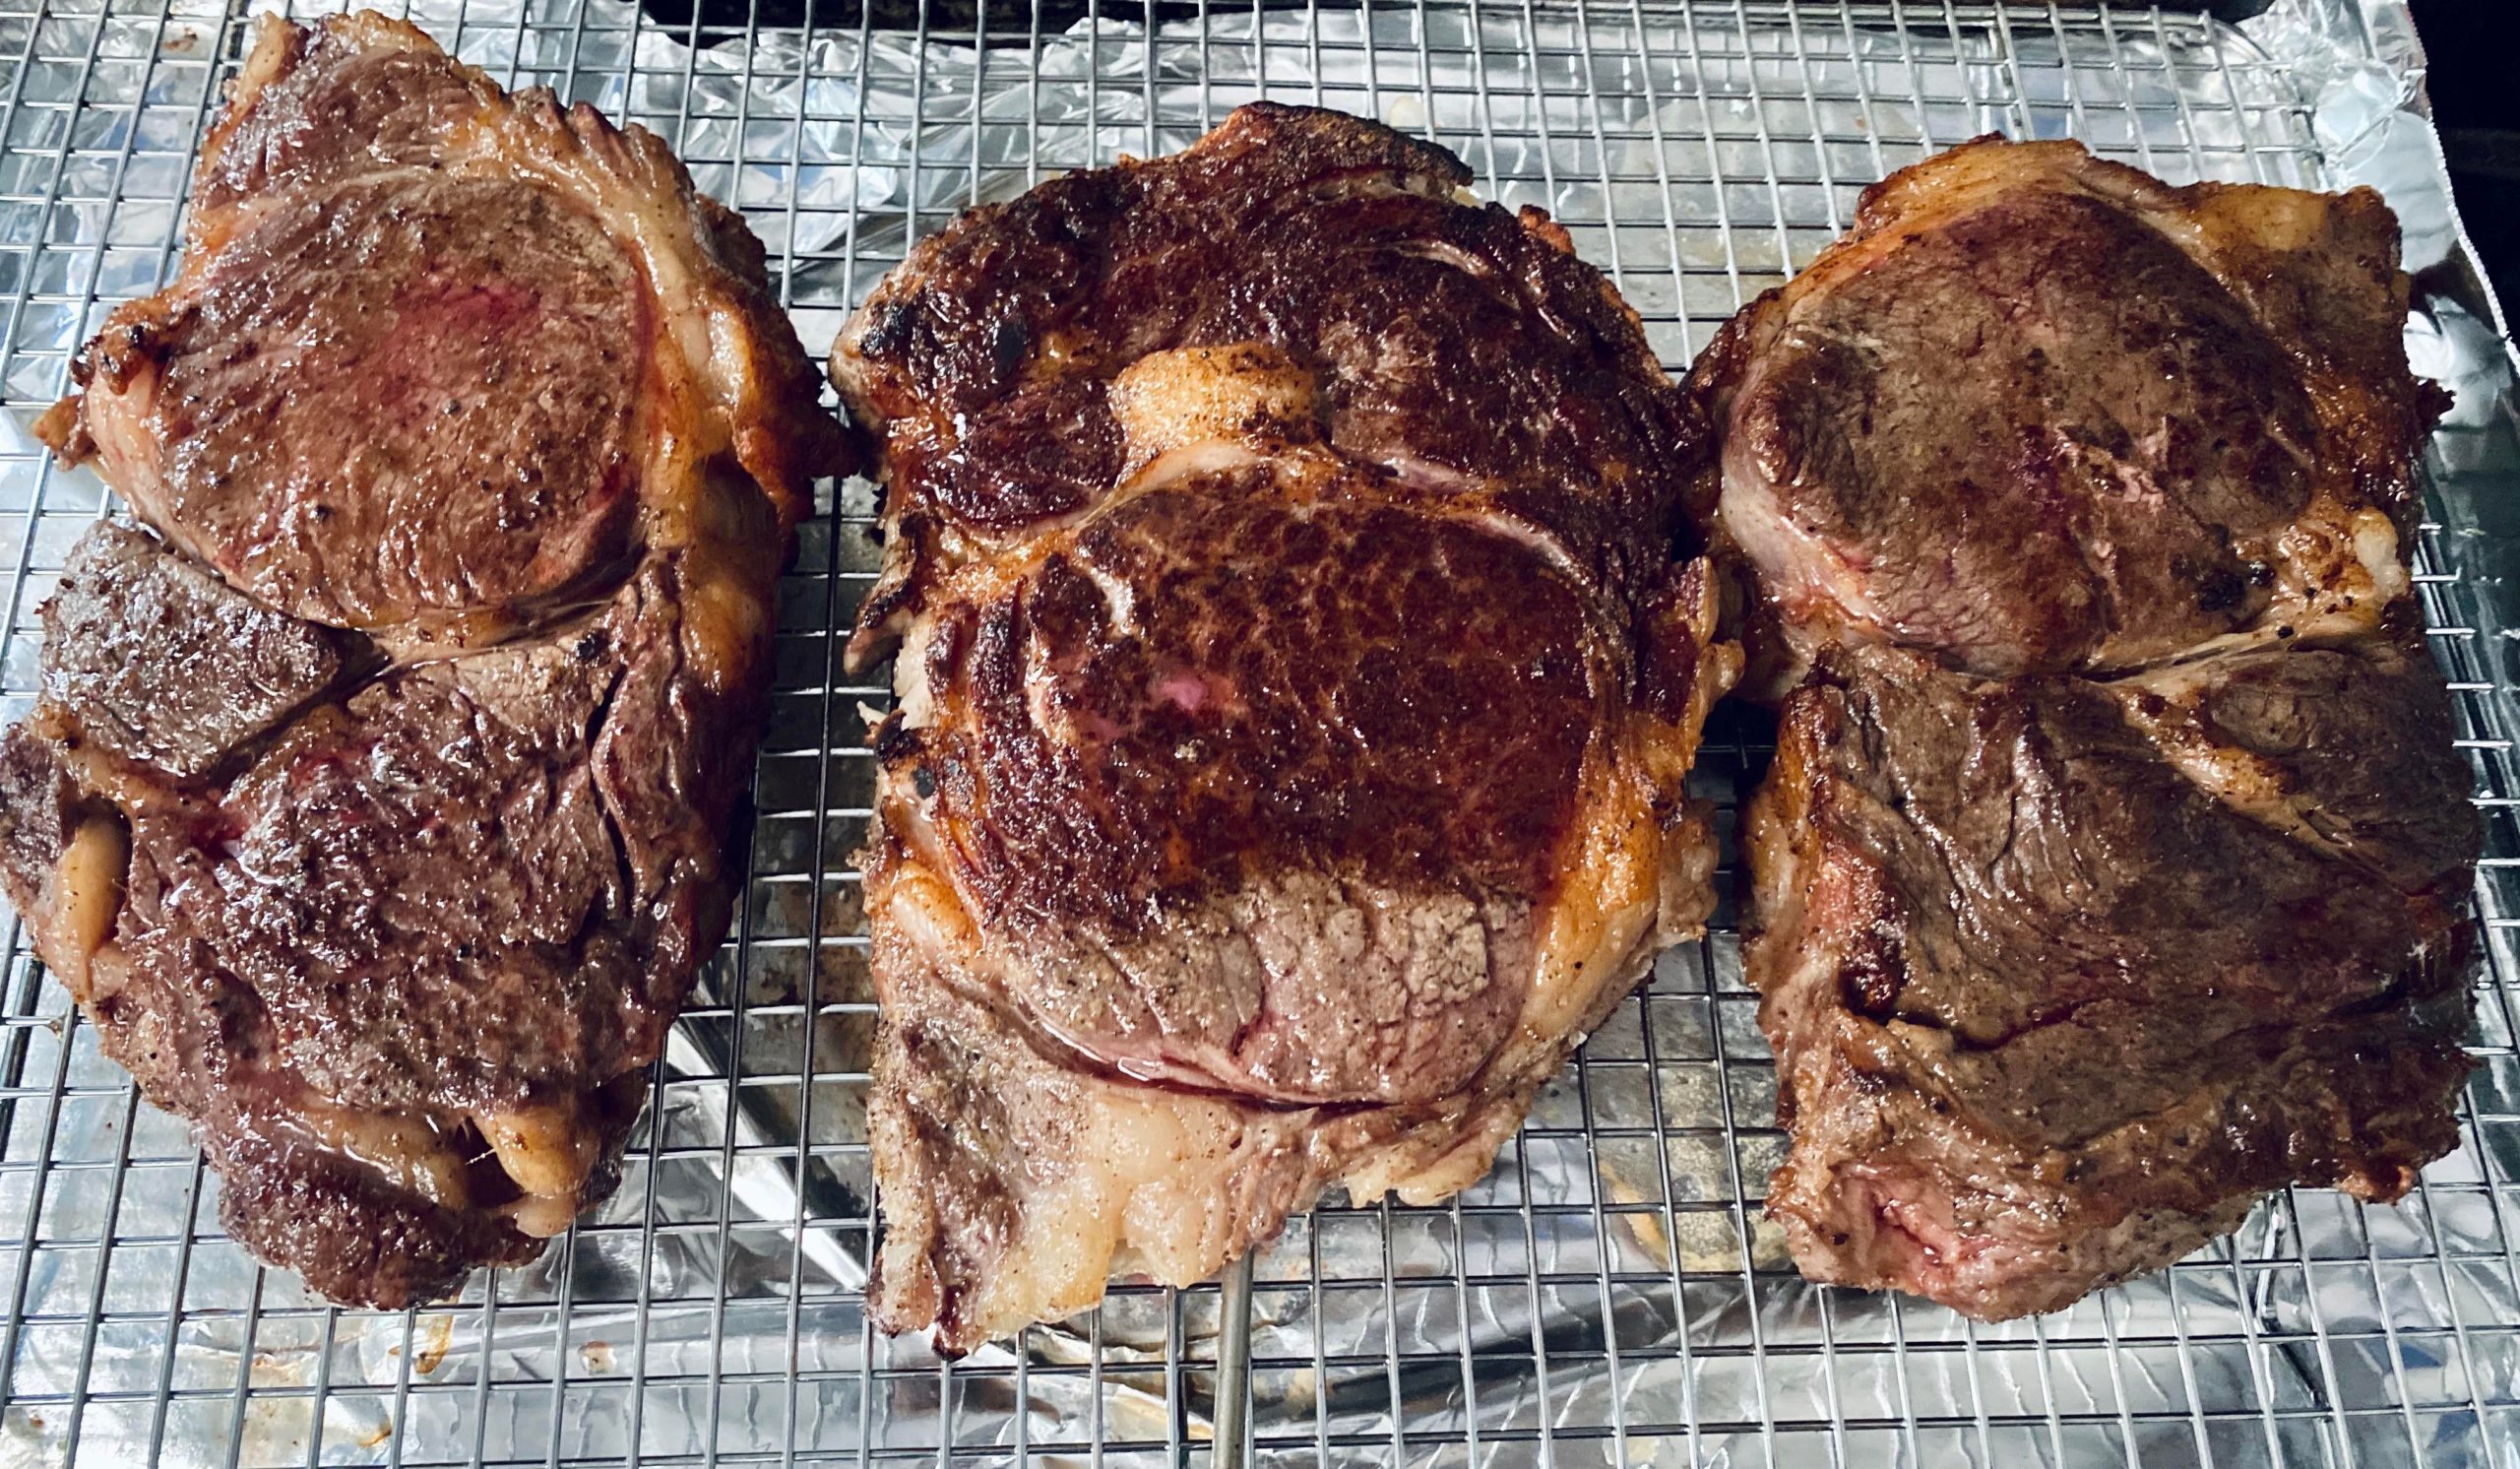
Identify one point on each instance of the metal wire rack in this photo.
(1609, 1294)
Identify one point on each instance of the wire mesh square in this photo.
(1610, 1294)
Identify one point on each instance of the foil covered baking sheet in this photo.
(1609, 1294)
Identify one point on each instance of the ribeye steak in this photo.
(1300, 652)
(373, 807)
(2112, 869)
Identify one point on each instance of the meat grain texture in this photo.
(374, 805)
(2113, 867)
(1300, 650)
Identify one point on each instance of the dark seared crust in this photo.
(2165, 389)
(460, 930)
(1846, 414)
(1302, 650)
(492, 341)
(2065, 967)
(1461, 346)
(397, 918)
(350, 1241)
(126, 608)
(2047, 1011)
(39, 808)
(2346, 746)
(1186, 749)
(1077, 264)
(1300, 687)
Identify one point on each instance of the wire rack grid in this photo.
(1609, 1294)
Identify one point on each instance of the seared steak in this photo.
(2112, 868)
(2051, 1005)
(375, 805)
(1300, 661)
(2039, 412)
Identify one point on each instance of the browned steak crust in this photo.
(2112, 869)
(124, 611)
(1301, 650)
(373, 810)
(2039, 412)
(2049, 1011)
(484, 336)
(1454, 347)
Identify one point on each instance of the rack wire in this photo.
(1609, 1294)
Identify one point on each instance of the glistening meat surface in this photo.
(1302, 648)
(374, 805)
(2043, 413)
(2112, 869)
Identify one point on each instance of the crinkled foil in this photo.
(1609, 1294)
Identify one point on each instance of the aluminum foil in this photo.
(1609, 1294)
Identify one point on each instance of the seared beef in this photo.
(2039, 412)
(1300, 661)
(374, 813)
(126, 614)
(2112, 868)
(2049, 1008)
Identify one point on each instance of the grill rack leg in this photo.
(1233, 1371)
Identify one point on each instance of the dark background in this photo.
(2475, 50)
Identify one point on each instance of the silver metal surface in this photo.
(1234, 1368)
(1610, 1296)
